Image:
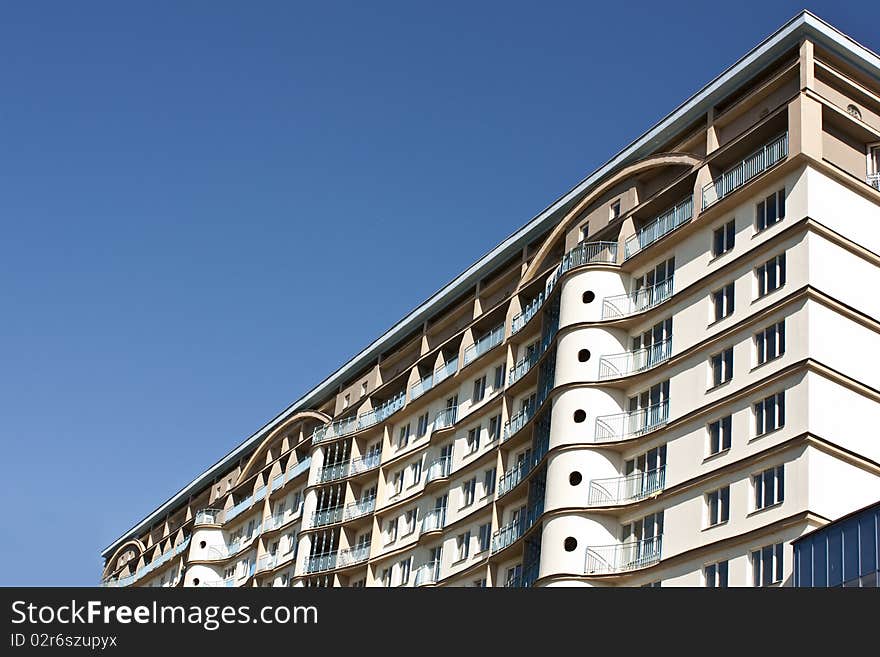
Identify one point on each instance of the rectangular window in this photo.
(615, 211)
(403, 437)
(489, 481)
(422, 428)
(722, 301)
(479, 390)
(723, 239)
(463, 545)
(715, 575)
(468, 492)
(346, 401)
(770, 211)
(722, 367)
(485, 536)
(771, 275)
(473, 439)
(770, 414)
(480, 583)
(416, 471)
(409, 521)
(585, 231)
(767, 565)
(769, 487)
(770, 343)
(498, 383)
(405, 567)
(397, 483)
(391, 530)
(719, 435)
(494, 428)
(718, 506)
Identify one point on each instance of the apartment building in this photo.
(663, 379)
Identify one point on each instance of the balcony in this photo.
(353, 555)
(623, 557)
(873, 180)
(320, 562)
(508, 534)
(266, 562)
(445, 418)
(438, 469)
(327, 516)
(755, 164)
(512, 477)
(434, 520)
(334, 430)
(237, 545)
(442, 373)
(636, 302)
(278, 519)
(518, 421)
(380, 414)
(522, 367)
(229, 582)
(492, 339)
(622, 426)
(364, 463)
(428, 574)
(632, 362)
(146, 569)
(298, 469)
(589, 253)
(659, 227)
(628, 489)
(209, 517)
(359, 509)
(521, 319)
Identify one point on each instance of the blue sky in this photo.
(178, 176)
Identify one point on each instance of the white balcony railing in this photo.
(518, 421)
(445, 418)
(327, 516)
(298, 469)
(507, 534)
(627, 489)
(622, 426)
(662, 225)
(639, 301)
(633, 362)
(873, 180)
(442, 373)
(320, 562)
(438, 469)
(522, 367)
(353, 555)
(359, 509)
(589, 253)
(435, 519)
(266, 562)
(209, 517)
(492, 339)
(428, 573)
(755, 164)
(354, 423)
(623, 557)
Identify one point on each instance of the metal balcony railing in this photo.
(621, 426)
(518, 421)
(438, 469)
(632, 362)
(298, 469)
(662, 225)
(327, 516)
(209, 517)
(364, 463)
(522, 318)
(359, 509)
(146, 569)
(335, 429)
(589, 253)
(445, 418)
(624, 305)
(758, 162)
(277, 482)
(492, 339)
(435, 519)
(873, 180)
(513, 476)
(380, 414)
(522, 367)
(319, 562)
(623, 557)
(353, 555)
(507, 534)
(266, 562)
(623, 490)
(428, 573)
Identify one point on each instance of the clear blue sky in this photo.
(175, 178)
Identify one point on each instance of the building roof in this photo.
(804, 25)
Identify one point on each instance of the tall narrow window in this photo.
(770, 413)
(498, 383)
(715, 575)
(489, 481)
(722, 367)
(771, 275)
(463, 545)
(769, 487)
(722, 300)
(767, 565)
(485, 536)
(403, 437)
(770, 343)
(723, 238)
(615, 211)
(494, 428)
(468, 492)
(479, 389)
(770, 211)
(719, 435)
(718, 506)
(422, 428)
(473, 439)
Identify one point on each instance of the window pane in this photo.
(850, 550)
(722, 574)
(868, 548)
(835, 558)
